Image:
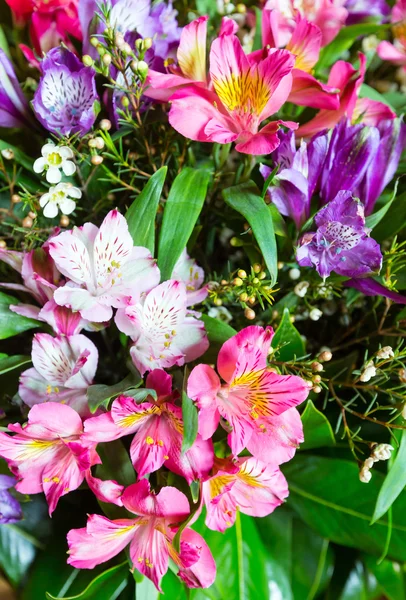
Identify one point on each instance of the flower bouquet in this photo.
(203, 265)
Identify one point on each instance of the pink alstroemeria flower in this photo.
(326, 14)
(104, 267)
(164, 331)
(188, 271)
(64, 367)
(48, 455)
(158, 430)
(396, 52)
(40, 279)
(247, 89)
(304, 43)
(255, 405)
(254, 487)
(348, 80)
(150, 536)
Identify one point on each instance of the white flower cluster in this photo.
(379, 452)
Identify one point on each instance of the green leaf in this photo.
(189, 417)
(100, 394)
(316, 428)
(361, 585)
(344, 40)
(329, 497)
(242, 562)
(217, 331)
(394, 482)
(373, 220)
(142, 212)
(247, 200)
(17, 551)
(8, 363)
(288, 339)
(116, 463)
(393, 221)
(278, 221)
(106, 586)
(20, 157)
(367, 91)
(257, 45)
(182, 209)
(10, 323)
(389, 575)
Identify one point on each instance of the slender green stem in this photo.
(240, 555)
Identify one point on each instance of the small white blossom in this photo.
(220, 313)
(365, 475)
(54, 158)
(381, 452)
(369, 463)
(385, 352)
(370, 43)
(315, 314)
(60, 197)
(301, 288)
(368, 372)
(294, 273)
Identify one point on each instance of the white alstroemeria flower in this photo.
(60, 197)
(54, 158)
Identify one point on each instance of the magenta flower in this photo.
(104, 268)
(247, 89)
(341, 242)
(150, 536)
(158, 430)
(164, 331)
(255, 405)
(328, 15)
(66, 99)
(304, 43)
(247, 484)
(64, 367)
(47, 454)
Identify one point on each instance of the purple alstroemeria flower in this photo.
(362, 10)
(10, 509)
(351, 151)
(341, 242)
(297, 179)
(14, 107)
(382, 168)
(162, 27)
(371, 287)
(66, 99)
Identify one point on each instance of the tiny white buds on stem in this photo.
(294, 273)
(301, 288)
(381, 452)
(365, 475)
(7, 153)
(385, 352)
(105, 124)
(325, 356)
(368, 372)
(315, 314)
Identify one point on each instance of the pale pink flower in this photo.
(188, 271)
(103, 266)
(164, 331)
(150, 536)
(255, 405)
(247, 484)
(64, 367)
(158, 429)
(245, 90)
(396, 52)
(48, 455)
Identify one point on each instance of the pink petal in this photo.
(194, 464)
(160, 381)
(102, 429)
(228, 26)
(59, 479)
(169, 503)
(203, 572)
(149, 553)
(51, 420)
(372, 112)
(191, 52)
(278, 439)
(251, 346)
(105, 491)
(99, 541)
(387, 51)
(307, 91)
(71, 256)
(305, 44)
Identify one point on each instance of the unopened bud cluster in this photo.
(379, 452)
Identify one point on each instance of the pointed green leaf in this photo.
(106, 586)
(288, 339)
(182, 209)
(217, 331)
(394, 482)
(100, 394)
(189, 417)
(142, 212)
(248, 201)
(10, 322)
(8, 363)
(389, 575)
(373, 220)
(316, 428)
